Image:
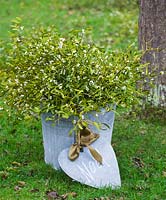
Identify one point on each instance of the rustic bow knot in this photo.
(83, 139)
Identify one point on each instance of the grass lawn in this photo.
(110, 27)
(140, 145)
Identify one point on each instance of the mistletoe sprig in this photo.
(67, 75)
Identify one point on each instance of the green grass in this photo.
(139, 144)
(110, 27)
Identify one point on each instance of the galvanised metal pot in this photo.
(56, 136)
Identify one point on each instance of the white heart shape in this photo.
(88, 171)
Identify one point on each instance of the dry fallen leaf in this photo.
(69, 194)
(71, 12)
(114, 144)
(164, 173)
(121, 198)
(102, 198)
(21, 183)
(16, 164)
(138, 162)
(52, 195)
(34, 190)
(4, 175)
(17, 188)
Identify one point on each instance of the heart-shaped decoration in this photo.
(88, 171)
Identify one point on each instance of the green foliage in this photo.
(67, 76)
(21, 140)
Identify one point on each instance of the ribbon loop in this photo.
(83, 139)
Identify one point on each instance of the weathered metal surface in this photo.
(56, 136)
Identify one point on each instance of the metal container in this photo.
(56, 135)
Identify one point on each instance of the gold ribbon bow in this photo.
(83, 139)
